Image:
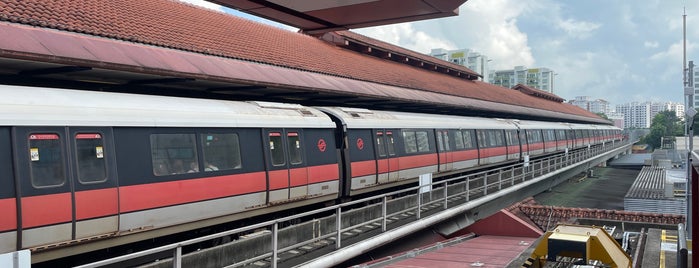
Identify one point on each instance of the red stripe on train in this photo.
(46, 209)
(330, 172)
(417, 161)
(363, 168)
(465, 155)
(96, 203)
(298, 176)
(152, 195)
(8, 210)
(279, 179)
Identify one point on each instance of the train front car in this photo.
(108, 165)
(385, 149)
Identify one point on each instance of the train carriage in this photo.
(79, 166)
(543, 137)
(386, 148)
(93, 164)
(583, 136)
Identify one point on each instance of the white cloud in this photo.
(489, 27)
(406, 36)
(492, 30)
(649, 44)
(577, 29)
(205, 4)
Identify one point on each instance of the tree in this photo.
(665, 124)
(603, 115)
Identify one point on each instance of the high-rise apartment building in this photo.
(595, 106)
(657, 107)
(640, 115)
(539, 78)
(636, 115)
(475, 61)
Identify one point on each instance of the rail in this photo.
(443, 195)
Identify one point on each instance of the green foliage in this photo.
(603, 115)
(665, 124)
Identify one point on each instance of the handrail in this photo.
(527, 172)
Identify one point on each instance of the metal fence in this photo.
(442, 196)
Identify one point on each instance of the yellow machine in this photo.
(578, 245)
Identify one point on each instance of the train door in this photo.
(386, 161)
(483, 152)
(513, 145)
(524, 142)
(287, 175)
(8, 201)
(444, 151)
(67, 179)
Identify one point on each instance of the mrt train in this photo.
(79, 166)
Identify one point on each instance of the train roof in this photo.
(357, 118)
(586, 126)
(527, 124)
(34, 106)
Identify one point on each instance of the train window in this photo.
(90, 157)
(495, 138)
(295, 149)
(46, 160)
(379, 144)
(534, 136)
(440, 141)
(410, 141)
(549, 135)
(561, 134)
(482, 142)
(173, 154)
(391, 143)
(511, 137)
(276, 149)
(221, 151)
(468, 140)
(423, 142)
(459, 140)
(446, 140)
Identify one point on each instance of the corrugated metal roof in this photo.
(650, 184)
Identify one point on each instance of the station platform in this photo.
(661, 249)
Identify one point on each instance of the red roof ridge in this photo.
(538, 93)
(349, 36)
(550, 216)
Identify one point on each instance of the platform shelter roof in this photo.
(173, 48)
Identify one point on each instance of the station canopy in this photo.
(317, 17)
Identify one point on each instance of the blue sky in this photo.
(620, 51)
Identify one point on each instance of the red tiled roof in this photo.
(400, 50)
(176, 25)
(538, 93)
(549, 216)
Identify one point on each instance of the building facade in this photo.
(657, 107)
(617, 118)
(539, 78)
(595, 106)
(636, 115)
(473, 60)
(640, 115)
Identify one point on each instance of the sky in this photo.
(620, 51)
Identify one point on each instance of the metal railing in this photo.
(442, 196)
